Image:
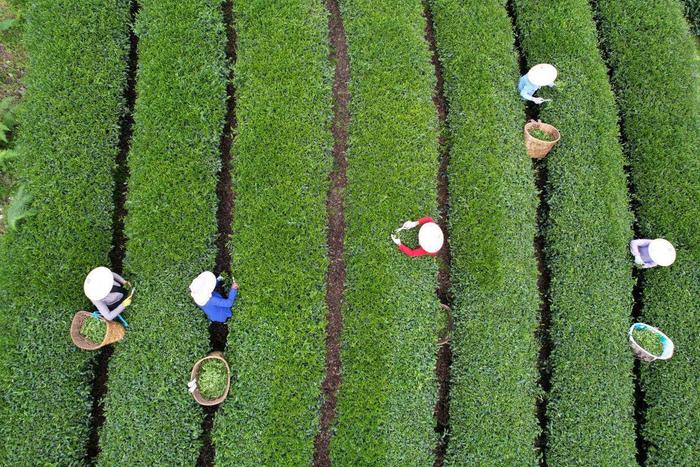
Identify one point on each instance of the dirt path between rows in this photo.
(218, 332)
(116, 255)
(335, 278)
(444, 355)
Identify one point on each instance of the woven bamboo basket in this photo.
(193, 378)
(115, 332)
(537, 148)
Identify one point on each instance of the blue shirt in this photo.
(218, 308)
(526, 88)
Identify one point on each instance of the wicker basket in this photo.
(194, 390)
(537, 148)
(115, 332)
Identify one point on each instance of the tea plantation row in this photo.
(67, 144)
(171, 226)
(281, 163)
(655, 72)
(388, 390)
(590, 404)
(492, 226)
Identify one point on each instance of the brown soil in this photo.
(224, 188)
(543, 332)
(335, 279)
(444, 356)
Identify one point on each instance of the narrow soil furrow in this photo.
(218, 332)
(116, 255)
(335, 278)
(444, 355)
(543, 276)
(543, 332)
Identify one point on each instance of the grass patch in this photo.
(94, 330)
(212, 378)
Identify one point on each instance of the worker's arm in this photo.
(525, 94)
(104, 311)
(425, 220)
(410, 252)
(220, 301)
(119, 278)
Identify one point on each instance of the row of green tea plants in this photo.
(492, 225)
(171, 225)
(388, 391)
(590, 405)
(281, 163)
(67, 147)
(655, 74)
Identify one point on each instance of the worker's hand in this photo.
(235, 285)
(127, 283)
(127, 302)
(537, 100)
(396, 239)
(409, 225)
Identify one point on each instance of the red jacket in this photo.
(417, 251)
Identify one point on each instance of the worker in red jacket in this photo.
(430, 237)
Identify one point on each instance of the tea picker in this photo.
(214, 305)
(539, 75)
(107, 292)
(651, 253)
(430, 237)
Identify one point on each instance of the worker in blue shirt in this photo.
(216, 307)
(540, 75)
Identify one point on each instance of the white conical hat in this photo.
(98, 284)
(662, 252)
(430, 237)
(542, 74)
(202, 286)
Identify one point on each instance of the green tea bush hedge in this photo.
(388, 391)
(492, 225)
(281, 163)
(692, 12)
(655, 74)
(171, 226)
(67, 145)
(591, 401)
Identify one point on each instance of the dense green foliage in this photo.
(281, 164)
(212, 378)
(492, 226)
(171, 226)
(655, 73)
(589, 228)
(692, 11)
(94, 329)
(648, 340)
(386, 399)
(67, 145)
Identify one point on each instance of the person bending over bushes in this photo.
(106, 290)
(215, 306)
